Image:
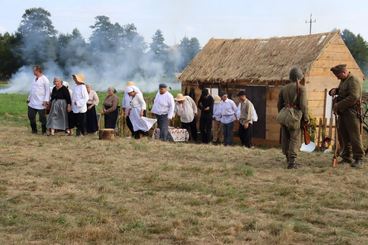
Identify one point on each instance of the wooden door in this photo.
(257, 95)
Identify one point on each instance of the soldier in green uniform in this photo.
(347, 107)
(294, 95)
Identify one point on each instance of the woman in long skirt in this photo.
(111, 110)
(92, 122)
(60, 106)
(70, 113)
(137, 106)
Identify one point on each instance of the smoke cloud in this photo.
(105, 61)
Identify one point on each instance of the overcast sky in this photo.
(199, 18)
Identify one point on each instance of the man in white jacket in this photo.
(186, 109)
(79, 104)
(38, 99)
(163, 108)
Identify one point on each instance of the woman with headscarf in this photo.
(126, 103)
(110, 108)
(92, 123)
(135, 113)
(60, 106)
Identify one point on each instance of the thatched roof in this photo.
(254, 60)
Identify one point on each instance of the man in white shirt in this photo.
(186, 109)
(38, 99)
(245, 117)
(80, 98)
(228, 116)
(163, 108)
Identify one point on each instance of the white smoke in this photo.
(103, 68)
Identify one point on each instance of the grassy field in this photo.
(13, 107)
(69, 190)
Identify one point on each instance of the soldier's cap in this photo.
(338, 69)
(241, 93)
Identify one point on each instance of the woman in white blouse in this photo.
(135, 112)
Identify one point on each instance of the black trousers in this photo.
(245, 135)
(205, 126)
(32, 119)
(191, 128)
(80, 121)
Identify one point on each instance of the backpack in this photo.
(290, 116)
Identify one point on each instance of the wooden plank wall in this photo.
(272, 126)
(320, 77)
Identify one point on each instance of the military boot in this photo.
(358, 163)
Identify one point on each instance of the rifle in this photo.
(307, 138)
(337, 145)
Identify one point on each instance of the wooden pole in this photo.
(319, 133)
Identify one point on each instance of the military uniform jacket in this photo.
(287, 96)
(349, 94)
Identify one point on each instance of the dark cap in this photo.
(205, 92)
(241, 93)
(162, 85)
(338, 69)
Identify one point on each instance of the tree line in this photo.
(36, 41)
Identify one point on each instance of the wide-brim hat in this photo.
(180, 97)
(79, 77)
(217, 99)
(130, 83)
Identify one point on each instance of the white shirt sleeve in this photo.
(46, 84)
(172, 107)
(238, 111)
(142, 102)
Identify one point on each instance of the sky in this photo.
(203, 19)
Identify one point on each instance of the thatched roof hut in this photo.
(261, 65)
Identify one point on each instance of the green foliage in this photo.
(38, 37)
(358, 48)
(188, 48)
(10, 61)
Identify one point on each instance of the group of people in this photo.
(346, 107)
(217, 116)
(77, 108)
(68, 108)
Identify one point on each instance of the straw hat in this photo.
(79, 77)
(180, 97)
(217, 99)
(130, 83)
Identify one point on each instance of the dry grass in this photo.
(71, 190)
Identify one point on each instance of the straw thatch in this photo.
(254, 60)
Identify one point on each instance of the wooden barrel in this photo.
(106, 134)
